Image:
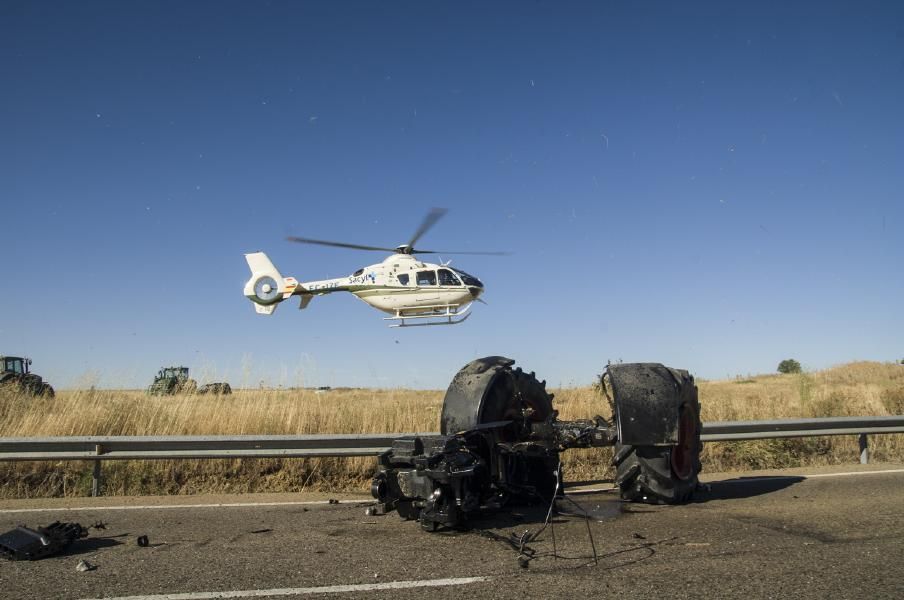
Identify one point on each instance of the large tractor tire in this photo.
(28, 384)
(488, 390)
(662, 473)
(31, 384)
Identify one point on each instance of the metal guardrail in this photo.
(730, 431)
(214, 446)
(101, 448)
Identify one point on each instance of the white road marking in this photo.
(742, 479)
(579, 491)
(302, 591)
(168, 506)
(850, 473)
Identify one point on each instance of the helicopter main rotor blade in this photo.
(430, 220)
(463, 252)
(302, 240)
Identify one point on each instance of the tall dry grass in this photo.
(864, 388)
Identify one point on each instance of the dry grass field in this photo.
(863, 388)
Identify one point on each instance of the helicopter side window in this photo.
(446, 277)
(426, 277)
(403, 278)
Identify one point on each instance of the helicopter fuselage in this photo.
(402, 284)
(406, 288)
(413, 292)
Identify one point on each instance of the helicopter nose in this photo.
(475, 290)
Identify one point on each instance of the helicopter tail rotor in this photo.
(267, 287)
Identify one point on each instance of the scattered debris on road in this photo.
(84, 566)
(142, 541)
(23, 543)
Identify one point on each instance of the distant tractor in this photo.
(16, 374)
(172, 380)
(175, 380)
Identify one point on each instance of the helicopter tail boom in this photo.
(267, 287)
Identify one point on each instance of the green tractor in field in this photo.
(15, 374)
(172, 380)
(175, 380)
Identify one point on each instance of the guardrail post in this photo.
(95, 482)
(864, 450)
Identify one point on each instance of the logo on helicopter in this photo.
(362, 279)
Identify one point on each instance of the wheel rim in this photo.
(504, 405)
(683, 452)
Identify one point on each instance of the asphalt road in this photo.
(834, 535)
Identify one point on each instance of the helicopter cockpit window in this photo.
(426, 277)
(446, 277)
(403, 278)
(468, 279)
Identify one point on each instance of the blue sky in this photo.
(706, 185)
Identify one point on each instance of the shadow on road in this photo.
(745, 487)
(598, 506)
(513, 515)
(88, 545)
(595, 505)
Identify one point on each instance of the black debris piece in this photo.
(142, 541)
(23, 543)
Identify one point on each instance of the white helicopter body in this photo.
(402, 285)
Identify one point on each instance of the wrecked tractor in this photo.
(500, 441)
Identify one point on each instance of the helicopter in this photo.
(413, 292)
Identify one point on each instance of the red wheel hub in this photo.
(683, 453)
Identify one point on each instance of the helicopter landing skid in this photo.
(443, 314)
